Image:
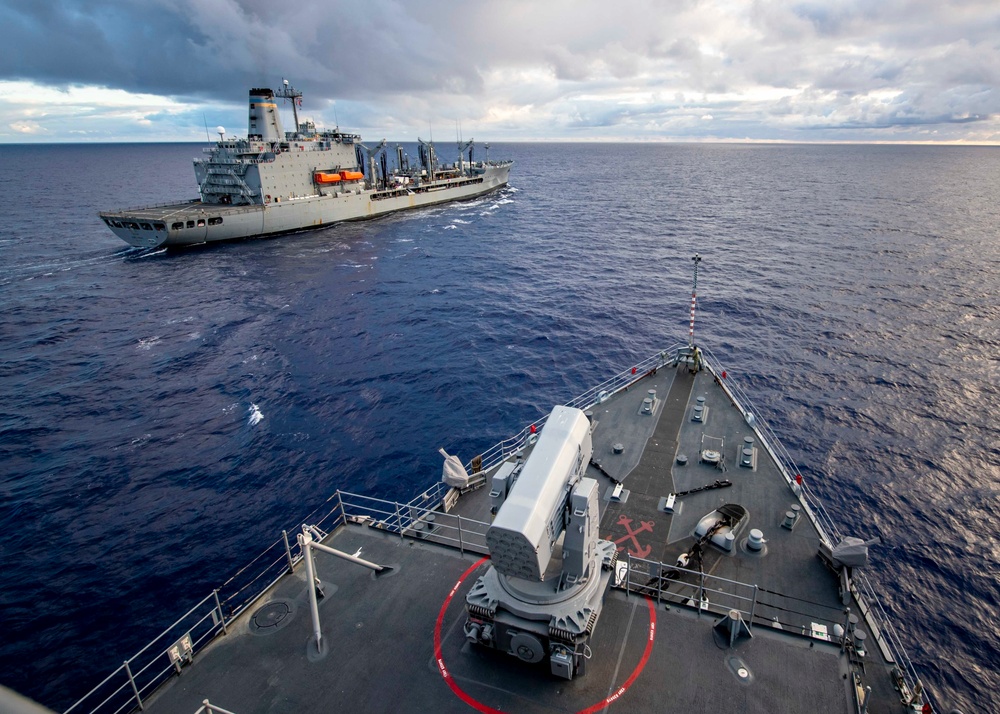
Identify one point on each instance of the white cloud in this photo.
(25, 127)
(82, 113)
(513, 69)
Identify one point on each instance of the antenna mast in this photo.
(287, 91)
(694, 292)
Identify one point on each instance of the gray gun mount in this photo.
(545, 587)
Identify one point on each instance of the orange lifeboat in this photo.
(322, 177)
(351, 175)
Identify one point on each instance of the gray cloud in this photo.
(536, 70)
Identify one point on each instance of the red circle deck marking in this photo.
(486, 709)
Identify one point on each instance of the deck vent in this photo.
(700, 412)
(791, 516)
(649, 403)
(747, 454)
(618, 448)
(859, 642)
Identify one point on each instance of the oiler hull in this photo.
(194, 222)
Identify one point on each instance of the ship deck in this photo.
(179, 211)
(395, 642)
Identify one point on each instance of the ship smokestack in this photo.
(265, 124)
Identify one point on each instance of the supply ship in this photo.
(649, 546)
(276, 182)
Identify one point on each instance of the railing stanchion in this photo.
(399, 520)
(753, 607)
(135, 689)
(701, 593)
(628, 573)
(222, 616)
(288, 552)
(340, 502)
(461, 544)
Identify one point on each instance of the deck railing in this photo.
(717, 596)
(424, 517)
(131, 684)
(128, 686)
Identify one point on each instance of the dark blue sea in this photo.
(163, 415)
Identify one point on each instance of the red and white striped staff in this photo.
(694, 292)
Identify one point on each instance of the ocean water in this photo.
(164, 414)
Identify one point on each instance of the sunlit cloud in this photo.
(904, 70)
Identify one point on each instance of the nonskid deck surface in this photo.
(395, 643)
(180, 210)
(788, 563)
(380, 654)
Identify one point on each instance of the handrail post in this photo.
(131, 680)
(628, 573)
(701, 594)
(340, 502)
(753, 608)
(218, 606)
(399, 520)
(288, 552)
(461, 545)
(659, 582)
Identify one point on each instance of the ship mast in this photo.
(694, 292)
(289, 92)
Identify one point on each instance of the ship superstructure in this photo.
(275, 181)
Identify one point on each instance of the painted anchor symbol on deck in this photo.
(640, 550)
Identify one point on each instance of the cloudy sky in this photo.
(678, 70)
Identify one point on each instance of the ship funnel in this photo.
(265, 124)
